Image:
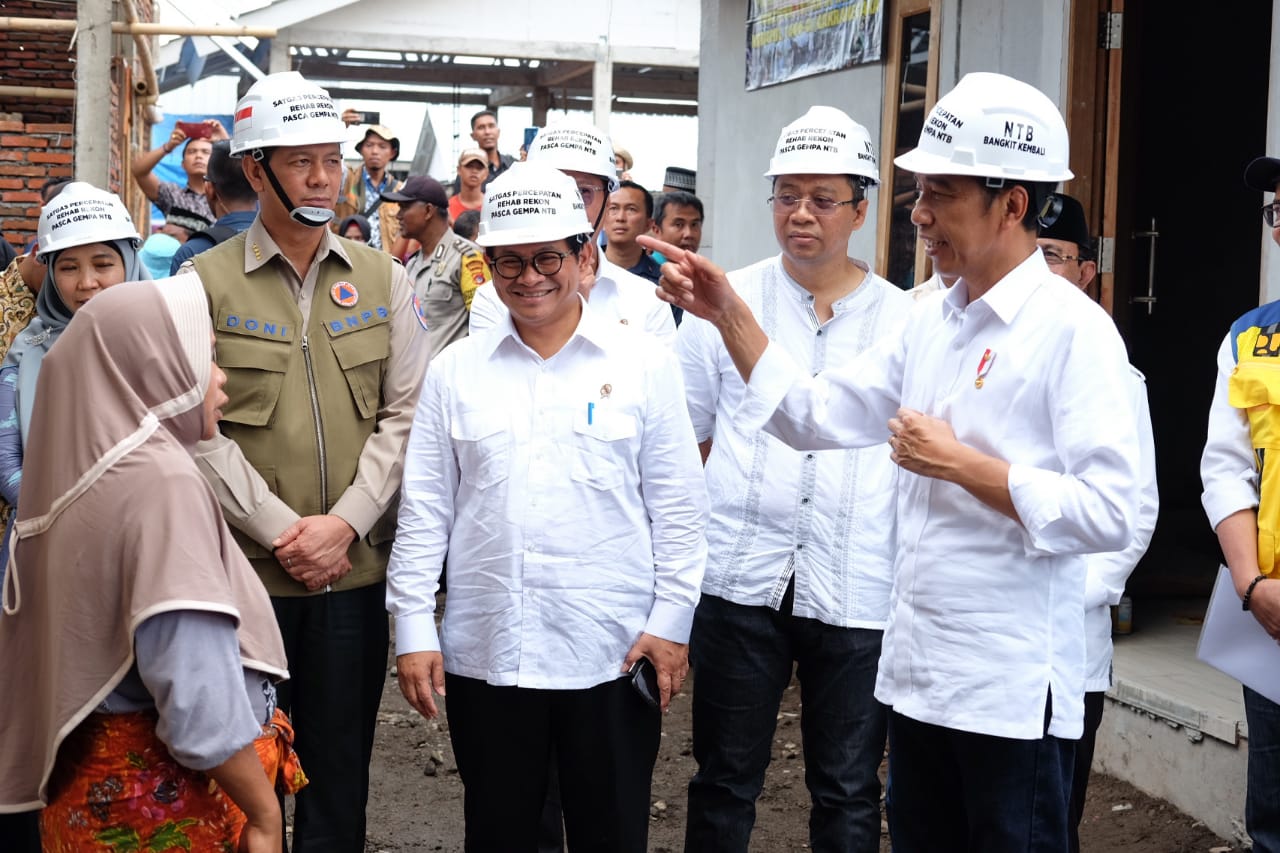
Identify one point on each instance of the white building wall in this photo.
(738, 129)
(1026, 39)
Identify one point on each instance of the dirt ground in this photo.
(416, 797)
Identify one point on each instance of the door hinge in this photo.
(1110, 30)
(1106, 255)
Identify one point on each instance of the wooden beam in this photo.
(36, 25)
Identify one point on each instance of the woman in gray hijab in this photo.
(87, 242)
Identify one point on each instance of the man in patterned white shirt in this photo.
(800, 545)
(553, 460)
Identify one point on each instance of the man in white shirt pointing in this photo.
(990, 401)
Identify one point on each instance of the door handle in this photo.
(1150, 299)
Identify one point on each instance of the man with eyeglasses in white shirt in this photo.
(583, 152)
(800, 544)
(552, 459)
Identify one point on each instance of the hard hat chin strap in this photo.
(313, 217)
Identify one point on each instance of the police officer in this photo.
(324, 355)
(447, 269)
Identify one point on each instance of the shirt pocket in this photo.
(441, 290)
(255, 370)
(482, 440)
(602, 444)
(361, 355)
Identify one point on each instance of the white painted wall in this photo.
(738, 131)
(1026, 39)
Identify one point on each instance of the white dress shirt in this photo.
(827, 516)
(568, 496)
(1228, 468)
(986, 614)
(1107, 572)
(617, 295)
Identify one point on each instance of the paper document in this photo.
(1232, 641)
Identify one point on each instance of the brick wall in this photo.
(38, 59)
(37, 135)
(30, 154)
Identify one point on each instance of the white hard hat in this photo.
(285, 109)
(531, 203)
(83, 214)
(993, 126)
(824, 141)
(578, 146)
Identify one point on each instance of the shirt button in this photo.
(808, 456)
(804, 500)
(800, 547)
(819, 333)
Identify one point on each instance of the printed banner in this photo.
(789, 39)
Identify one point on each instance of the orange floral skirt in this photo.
(115, 787)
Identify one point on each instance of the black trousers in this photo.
(20, 833)
(603, 740)
(960, 792)
(337, 649)
(1084, 761)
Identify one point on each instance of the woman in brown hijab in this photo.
(139, 648)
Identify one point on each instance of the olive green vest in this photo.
(304, 391)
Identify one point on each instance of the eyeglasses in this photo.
(546, 263)
(1270, 213)
(589, 193)
(818, 205)
(1054, 259)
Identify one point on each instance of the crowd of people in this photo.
(634, 464)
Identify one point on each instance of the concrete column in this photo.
(602, 85)
(279, 59)
(93, 94)
(541, 100)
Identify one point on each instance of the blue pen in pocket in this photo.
(591, 408)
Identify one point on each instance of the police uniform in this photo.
(323, 372)
(443, 283)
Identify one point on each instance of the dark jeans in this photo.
(603, 740)
(337, 648)
(742, 660)
(960, 792)
(1083, 764)
(1262, 803)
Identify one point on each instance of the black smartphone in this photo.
(529, 134)
(644, 678)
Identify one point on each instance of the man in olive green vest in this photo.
(324, 352)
